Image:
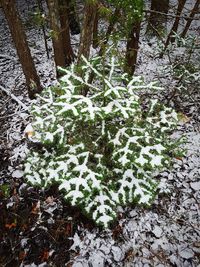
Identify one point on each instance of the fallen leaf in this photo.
(45, 255)
(22, 255)
(183, 118)
(50, 200)
(187, 253)
(68, 229)
(117, 232)
(178, 158)
(195, 186)
(29, 132)
(10, 225)
(36, 208)
(157, 231)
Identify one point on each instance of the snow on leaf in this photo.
(102, 149)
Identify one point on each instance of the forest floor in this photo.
(37, 227)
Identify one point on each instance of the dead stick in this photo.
(14, 98)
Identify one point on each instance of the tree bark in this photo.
(113, 20)
(21, 44)
(73, 18)
(87, 30)
(95, 30)
(59, 56)
(39, 2)
(157, 22)
(64, 23)
(132, 48)
(191, 16)
(174, 28)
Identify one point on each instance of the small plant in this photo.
(102, 149)
(183, 67)
(38, 18)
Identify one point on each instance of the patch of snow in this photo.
(186, 253)
(157, 231)
(195, 186)
(117, 253)
(17, 174)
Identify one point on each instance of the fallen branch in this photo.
(16, 99)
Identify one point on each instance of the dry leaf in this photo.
(10, 225)
(36, 208)
(45, 255)
(29, 131)
(183, 118)
(22, 255)
(50, 200)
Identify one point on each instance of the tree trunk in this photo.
(113, 20)
(132, 48)
(21, 44)
(174, 28)
(157, 21)
(95, 30)
(73, 18)
(64, 23)
(189, 21)
(112, 23)
(39, 2)
(59, 56)
(87, 30)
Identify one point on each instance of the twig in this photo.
(169, 15)
(14, 98)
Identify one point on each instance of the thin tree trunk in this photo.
(59, 56)
(132, 48)
(174, 28)
(157, 22)
(64, 23)
(39, 2)
(189, 21)
(73, 18)
(87, 30)
(95, 30)
(21, 44)
(112, 23)
(113, 20)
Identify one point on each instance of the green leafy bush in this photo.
(102, 149)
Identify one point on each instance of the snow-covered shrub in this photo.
(102, 149)
(183, 67)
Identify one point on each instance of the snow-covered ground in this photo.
(166, 234)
